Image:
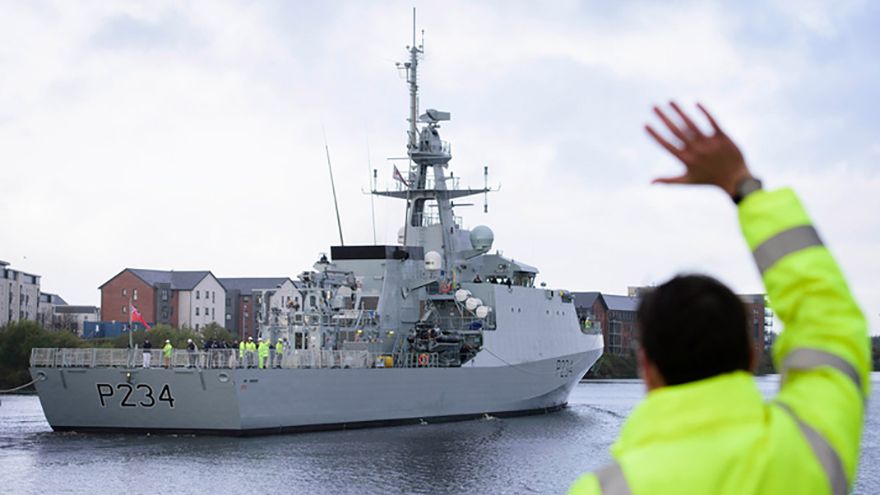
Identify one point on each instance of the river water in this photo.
(534, 454)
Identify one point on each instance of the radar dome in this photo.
(433, 260)
(482, 238)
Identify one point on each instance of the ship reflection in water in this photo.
(533, 454)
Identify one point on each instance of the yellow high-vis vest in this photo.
(718, 435)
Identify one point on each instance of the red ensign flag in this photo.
(136, 316)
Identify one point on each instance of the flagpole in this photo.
(130, 343)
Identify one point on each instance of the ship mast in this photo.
(425, 149)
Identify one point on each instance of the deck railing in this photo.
(219, 359)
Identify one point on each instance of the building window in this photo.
(134, 294)
(124, 292)
(228, 316)
(212, 312)
(212, 296)
(246, 299)
(197, 327)
(197, 311)
(124, 309)
(197, 294)
(164, 294)
(206, 309)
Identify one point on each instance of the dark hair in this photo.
(693, 327)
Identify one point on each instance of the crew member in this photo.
(263, 349)
(148, 349)
(251, 352)
(704, 426)
(279, 352)
(241, 353)
(166, 352)
(191, 352)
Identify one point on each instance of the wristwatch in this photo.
(746, 186)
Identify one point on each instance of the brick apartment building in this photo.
(19, 295)
(616, 315)
(192, 299)
(251, 301)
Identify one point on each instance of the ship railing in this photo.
(465, 323)
(221, 359)
(417, 360)
(320, 358)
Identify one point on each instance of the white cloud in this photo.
(188, 136)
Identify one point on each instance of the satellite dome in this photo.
(433, 260)
(461, 295)
(482, 238)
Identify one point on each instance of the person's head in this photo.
(690, 328)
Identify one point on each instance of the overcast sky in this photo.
(188, 135)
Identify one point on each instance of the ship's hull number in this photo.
(564, 368)
(139, 395)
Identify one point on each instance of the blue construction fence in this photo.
(107, 329)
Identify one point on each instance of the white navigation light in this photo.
(482, 311)
(461, 295)
(433, 261)
(472, 303)
(482, 238)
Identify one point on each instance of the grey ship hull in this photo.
(252, 401)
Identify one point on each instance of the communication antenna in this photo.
(372, 202)
(486, 188)
(333, 186)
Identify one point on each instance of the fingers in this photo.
(671, 125)
(681, 179)
(711, 120)
(694, 130)
(663, 142)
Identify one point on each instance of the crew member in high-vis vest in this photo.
(279, 353)
(704, 427)
(263, 350)
(241, 354)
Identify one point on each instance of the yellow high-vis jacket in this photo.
(719, 435)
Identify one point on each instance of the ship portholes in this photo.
(223, 377)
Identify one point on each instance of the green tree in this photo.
(16, 341)
(158, 335)
(217, 333)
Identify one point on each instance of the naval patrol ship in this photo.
(434, 328)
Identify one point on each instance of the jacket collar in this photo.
(671, 413)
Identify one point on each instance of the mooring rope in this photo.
(28, 384)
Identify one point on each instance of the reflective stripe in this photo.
(807, 359)
(611, 480)
(785, 243)
(825, 454)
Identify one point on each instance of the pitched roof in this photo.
(54, 299)
(177, 280)
(621, 303)
(248, 284)
(585, 299)
(76, 309)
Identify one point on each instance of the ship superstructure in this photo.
(433, 327)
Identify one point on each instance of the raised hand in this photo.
(713, 159)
